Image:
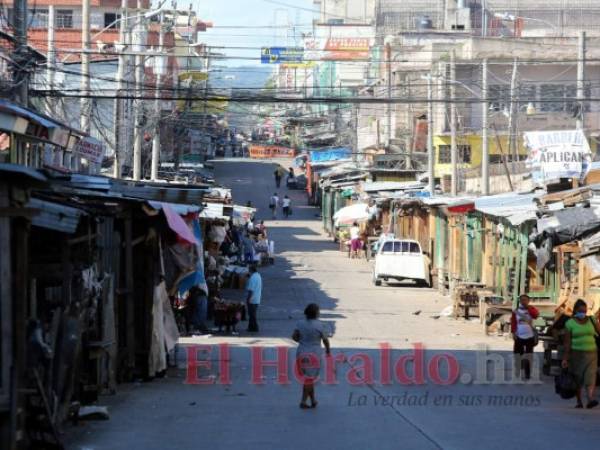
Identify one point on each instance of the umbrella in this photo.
(358, 212)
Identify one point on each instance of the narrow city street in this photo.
(168, 413)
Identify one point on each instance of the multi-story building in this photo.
(180, 28)
(104, 22)
(415, 39)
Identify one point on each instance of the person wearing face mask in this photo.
(524, 335)
(581, 356)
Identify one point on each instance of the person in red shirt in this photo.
(524, 335)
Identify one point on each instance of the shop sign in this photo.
(90, 149)
(278, 55)
(346, 48)
(558, 154)
(270, 151)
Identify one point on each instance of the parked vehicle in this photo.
(401, 259)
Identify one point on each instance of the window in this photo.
(110, 19)
(388, 247)
(38, 18)
(499, 96)
(527, 94)
(64, 18)
(414, 248)
(561, 98)
(552, 96)
(445, 155)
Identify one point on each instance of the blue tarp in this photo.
(330, 154)
(195, 278)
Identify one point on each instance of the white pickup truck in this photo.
(401, 259)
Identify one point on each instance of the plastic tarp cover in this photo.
(333, 154)
(570, 225)
(178, 225)
(164, 331)
(195, 278)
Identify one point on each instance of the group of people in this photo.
(580, 338)
(286, 205)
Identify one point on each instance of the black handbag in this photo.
(565, 384)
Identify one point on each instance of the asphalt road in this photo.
(478, 410)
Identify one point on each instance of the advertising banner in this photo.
(270, 151)
(558, 154)
(90, 149)
(346, 48)
(279, 55)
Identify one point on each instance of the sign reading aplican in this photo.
(558, 154)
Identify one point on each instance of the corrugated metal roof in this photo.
(91, 182)
(180, 209)
(392, 186)
(27, 114)
(162, 194)
(55, 216)
(329, 163)
(516, 208)
(20, 170)
(446, 200)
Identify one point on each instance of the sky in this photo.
(253, 23)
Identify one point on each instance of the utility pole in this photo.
(453, 146)
(581, 55)
(139, 79)
(20, 57)
(354, 135)
(512, 150)
(50, 66)
(389, 94)
(158, 71)
(85, 66)
(430, 152)
(485, 148)
(483, 18)
(119, 110)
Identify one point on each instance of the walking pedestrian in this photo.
(524, 335)
(309, 334)
(355, 242)
(287, 206)
(581, 354)
(273, 203)
(279, 172)
(254, 289)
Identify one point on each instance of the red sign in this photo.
(271, 151)
(346, 48)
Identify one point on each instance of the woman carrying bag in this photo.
(581, 354)
(524, 335)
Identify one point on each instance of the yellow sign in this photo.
(300, 65)
(194, 76)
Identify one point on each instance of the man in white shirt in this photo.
(273, 203)
(254, 289)
(287, 206)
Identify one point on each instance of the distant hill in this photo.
(243, 77)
